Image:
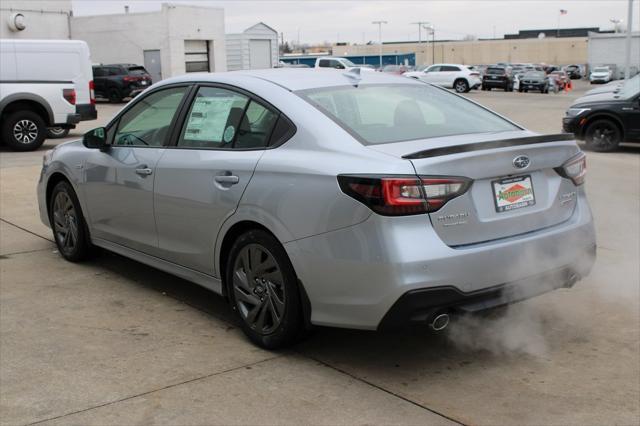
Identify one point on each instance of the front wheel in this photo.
(67, 222)
(461, 86)
(24, 131)
(263, 290)
(57, 132)
(115, 96)
(603, 136)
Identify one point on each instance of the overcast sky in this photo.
(318, 21)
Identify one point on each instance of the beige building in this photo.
(560, 51)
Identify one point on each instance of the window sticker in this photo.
(208, 119)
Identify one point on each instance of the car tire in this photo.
(70, 230)
(24, 131)
(603, 135)
(461, 86)
(57, 132)
(115, 96)
(263, 290)
(520, 89)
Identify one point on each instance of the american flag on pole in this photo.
(563, 11)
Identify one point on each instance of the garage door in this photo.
(259, 54)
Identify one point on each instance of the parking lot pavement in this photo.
(112, 341)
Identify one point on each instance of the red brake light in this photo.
(92, 92)
(403, 195)
(69, 95)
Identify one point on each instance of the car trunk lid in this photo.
(503, 200)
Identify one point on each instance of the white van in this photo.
(43, 84)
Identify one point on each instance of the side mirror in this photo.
(96, 138)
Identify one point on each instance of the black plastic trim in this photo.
(502, 143)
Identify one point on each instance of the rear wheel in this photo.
(263, 290)
(67, 222)
(603, 135)
(461, 86)
(115, 96)
(24, 131)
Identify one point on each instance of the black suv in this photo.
(499, 77)
(604, 120)
(118, 81)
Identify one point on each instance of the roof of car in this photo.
(295, 79)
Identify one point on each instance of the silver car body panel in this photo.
(353, 263)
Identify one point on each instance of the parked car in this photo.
(613, 86)
(452, 76)
(574, 72)
(118, 81)
(319, 198)
(397, 69)
(340, 64)
(604, 120)
(45, 84)
(497, 77)
(601, 75)
(534, 80)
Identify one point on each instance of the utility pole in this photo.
(379, 24)
(420, 24)
(627, 61)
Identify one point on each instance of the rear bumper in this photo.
(355, 275)
(86, 112)
(418, 306)
(494, 83)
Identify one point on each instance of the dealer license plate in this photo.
(513, 193)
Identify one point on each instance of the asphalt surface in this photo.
(112, 341)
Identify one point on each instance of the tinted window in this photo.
(147, 122)
(98, 72)
(336, 64)
(256, 127)
(392, 113)
(213, 119)
(495, 71)
(282, 131)
(324, 63)
(434, 68)
(114, 71)
(449, 68)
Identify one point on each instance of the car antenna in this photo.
(353, 75)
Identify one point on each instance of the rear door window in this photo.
(324, 63)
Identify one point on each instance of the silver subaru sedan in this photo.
(324, 197)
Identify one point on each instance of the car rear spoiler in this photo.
(458, 149)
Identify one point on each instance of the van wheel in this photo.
(115, 96)
(603, 136)
(263, 290)
(24, 131)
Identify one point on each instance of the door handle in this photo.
(144, 171)
(228, 179)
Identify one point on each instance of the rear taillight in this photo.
(92, 93)
(574, 168)
(69, 95)
(129, 78)
(403, 195)
(475, 74)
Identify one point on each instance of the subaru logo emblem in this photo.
(521, 162)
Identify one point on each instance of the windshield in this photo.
(496, 71)
(534, 74)
(349, 63)
(601, 70)
(630, 88)
(378, 114)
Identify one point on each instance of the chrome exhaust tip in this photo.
(439, 322)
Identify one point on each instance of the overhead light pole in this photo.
(420, 24)
(379, 24)
(432, 29)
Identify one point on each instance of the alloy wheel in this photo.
(25, 131)
(65, 222)
(258, 288)
(604, 136)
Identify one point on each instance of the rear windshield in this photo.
(495, 71)
(534, 74)
(377, 114)
(137, 70)
(601, 70)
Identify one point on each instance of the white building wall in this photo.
(609, 49)
(123, 38)
(44, 19)
(238, 46)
